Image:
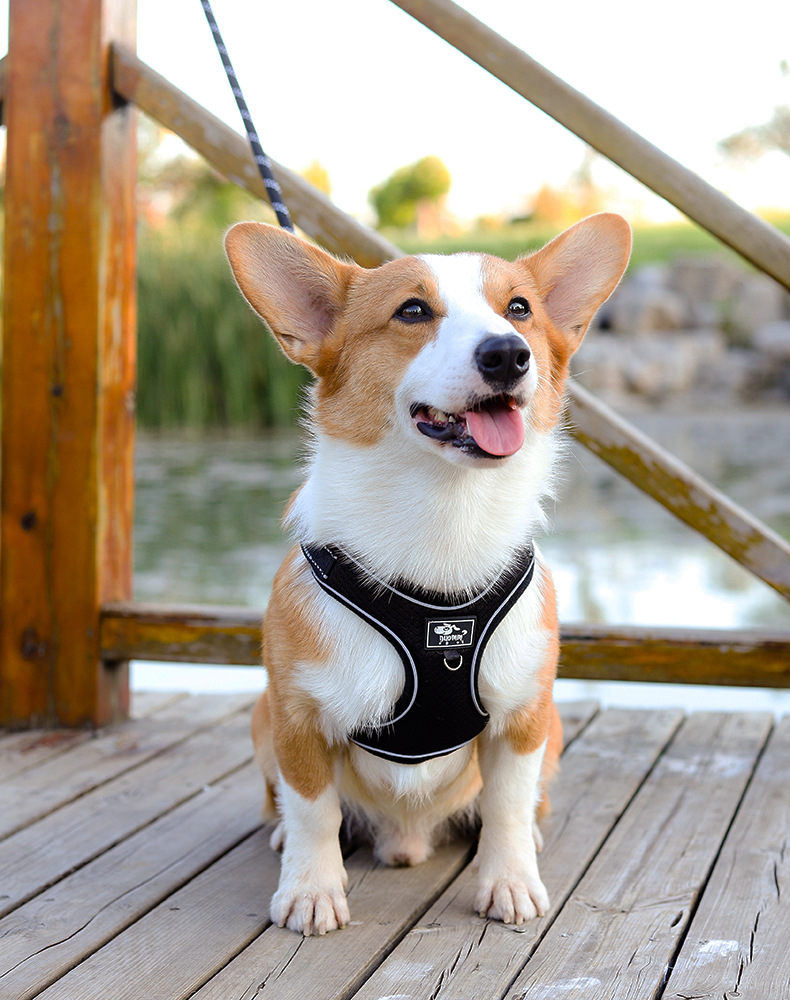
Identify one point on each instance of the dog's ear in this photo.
(580, 269)
(296, 288)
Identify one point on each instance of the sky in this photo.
(363, 88)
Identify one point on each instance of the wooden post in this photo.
(68, 362)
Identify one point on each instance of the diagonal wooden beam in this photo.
(681, 490)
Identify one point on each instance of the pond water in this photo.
(208, 512)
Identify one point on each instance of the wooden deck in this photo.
(133, 865)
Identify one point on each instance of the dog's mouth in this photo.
(492, 428)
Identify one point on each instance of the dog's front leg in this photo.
(311, 895)
(509, 887)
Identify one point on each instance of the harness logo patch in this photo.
(449, 633)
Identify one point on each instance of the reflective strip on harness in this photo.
(440, 643)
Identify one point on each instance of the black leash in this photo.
(264, 163)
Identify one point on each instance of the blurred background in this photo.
(413, 138)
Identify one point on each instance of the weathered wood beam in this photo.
(2, 88)
(205, 634)
(68, 362)
(678, 488)
(229, 153)
(754, 239)
(181, 633)
(734, 657)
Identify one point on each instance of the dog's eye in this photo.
(414, 311)
(518, 308)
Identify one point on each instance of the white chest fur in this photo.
(409, 516)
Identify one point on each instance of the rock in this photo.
(700, 332)
(773, 340)
(757, 301)
(644, 303)
(654, 366)
(705, 284)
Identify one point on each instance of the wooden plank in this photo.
(633, 454)
(41, 854)
(576, 717)
(737, 943)
(454, 954)
(754, 239)
(618, 932)
(26, 750)
(23, 751)
(384, 903)
(147, 702)
(230, 154)
(188, 938)
(67, 378)
(225, 908)
(208, 634)
(678, 488)
(114, 751)
(58, 929)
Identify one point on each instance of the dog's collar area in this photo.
(440, 640)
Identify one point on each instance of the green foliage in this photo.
(397, 199)
(204, 358)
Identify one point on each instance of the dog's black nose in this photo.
(502, 360)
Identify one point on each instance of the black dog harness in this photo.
(440, 644)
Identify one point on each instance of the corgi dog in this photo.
(411, 637)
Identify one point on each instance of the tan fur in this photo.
(367, 351)
(285, 725)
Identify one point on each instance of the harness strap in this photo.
(440, 642)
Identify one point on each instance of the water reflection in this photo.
(208, 513)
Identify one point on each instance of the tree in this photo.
(755, 140)
(315, 173)
(750, 143)
(580, 197)
(401, 199)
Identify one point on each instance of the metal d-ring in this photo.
(458, 665)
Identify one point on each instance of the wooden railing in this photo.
(68, 626)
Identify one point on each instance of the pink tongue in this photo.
(499, 431)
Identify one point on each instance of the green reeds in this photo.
(204, 359)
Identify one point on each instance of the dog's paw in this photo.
(511, 900)
(310, 912)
